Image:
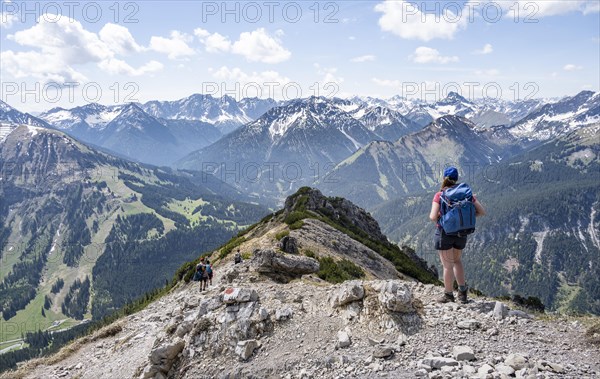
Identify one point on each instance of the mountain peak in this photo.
(454, 98)
(310, 201)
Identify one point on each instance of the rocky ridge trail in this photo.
(248, 326)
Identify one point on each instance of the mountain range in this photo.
(363, 149)
(71, 214)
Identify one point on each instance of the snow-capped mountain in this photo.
(386, 123)
(10, 115)
(84, 122)
(560, 118)
(225, 112)
(383, 170)
(290, 145)
(382, 120)
(132, 133)
(423, 113)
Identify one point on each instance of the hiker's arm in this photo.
(435, 211)
(479, 211)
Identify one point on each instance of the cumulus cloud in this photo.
(61, 44)
(406, 20)
(119, 39)
(213, 42)
(428, 55)
(259, 46)
(255, 46)
(175, 47)
(363, 58)
(487, 49)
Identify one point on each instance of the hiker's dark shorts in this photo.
(210, 276)
(445, 242)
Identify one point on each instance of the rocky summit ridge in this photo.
(272, 316)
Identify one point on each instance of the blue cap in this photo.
(451, 173)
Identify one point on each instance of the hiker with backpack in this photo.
(238, 257)
(209, 270)
(201, 274)
(454, 210)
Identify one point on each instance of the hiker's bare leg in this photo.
(447, 258)
(459, 270)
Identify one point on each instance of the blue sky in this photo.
(148, 50)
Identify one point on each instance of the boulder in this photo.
(395, 296)
(166, 352)
(283, 266)
(239, 295)
(347, 293)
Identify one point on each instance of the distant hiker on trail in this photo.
(201, 274)
(238, 257)
(209, 270)
(454, 210)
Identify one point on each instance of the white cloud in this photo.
(119, 39)
(406, 20)
(117, 66)
(428, 55)
(175, 47)
(532, 10)
(217, 42)
(259, 46)
(352, 38)
(65, 38)
(572, 67)
(48, 67)
(487, 49)
(61, 44)
(255, 46)
(201, 33)
(387, 82)
(363, 58)
(213, 42)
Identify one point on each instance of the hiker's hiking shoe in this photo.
(462, 296)
(446, 298)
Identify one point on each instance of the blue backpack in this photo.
(457, 210)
